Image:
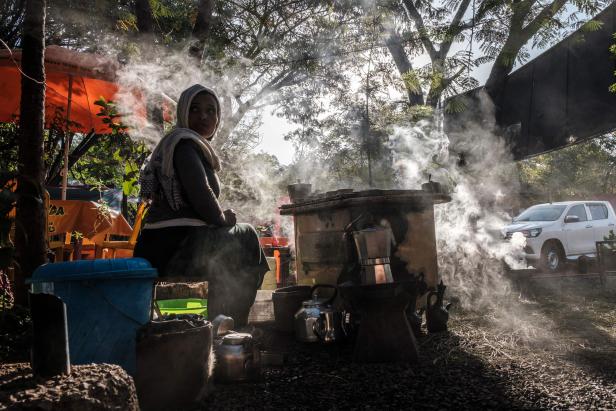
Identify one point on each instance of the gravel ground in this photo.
(556, 351)
(87, 388)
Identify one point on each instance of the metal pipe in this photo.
(67, 137)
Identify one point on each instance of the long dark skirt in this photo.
(229, 258)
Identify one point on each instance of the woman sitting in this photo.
(186, 232)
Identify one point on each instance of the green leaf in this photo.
(592, 25)
(411, 81)
(455, 105)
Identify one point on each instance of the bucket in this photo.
(183, 306)
(174, 363)
(287, 301)
(106, 302)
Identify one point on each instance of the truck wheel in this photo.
(552, 257)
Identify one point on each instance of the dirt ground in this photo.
(556, 350)
(95, 387)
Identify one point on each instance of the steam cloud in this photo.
(470, 247)
(168, 73)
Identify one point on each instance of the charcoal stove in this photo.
(322, 253)
(384, 333)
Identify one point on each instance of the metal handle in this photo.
(429, 299)
(316, 328)
(588, 226)
(316, 286)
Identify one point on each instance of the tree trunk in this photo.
(145, 20)
(437, 85)
(30, 235)
(124, 205)
(230, 123)
(396, 49)
(495, 85)
(155, 112)
(201, 29)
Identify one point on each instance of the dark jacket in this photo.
(200, 189)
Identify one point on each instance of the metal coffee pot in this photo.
(332, 326)
(437, 314)
(237, 358)
(374, 249)
(306, 317)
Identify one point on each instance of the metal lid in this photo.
(411, 199)
(314, 302)
(118, 269)
(236, 338)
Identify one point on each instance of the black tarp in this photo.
(559, 98)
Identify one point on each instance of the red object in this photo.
(93, 77)
(274, 241)
(277, 258)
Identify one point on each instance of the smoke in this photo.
(150, 74)
(471, 251)
(255, 187)
(252, 184)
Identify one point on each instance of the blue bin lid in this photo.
(104, 269)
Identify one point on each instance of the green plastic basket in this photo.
(183, 306)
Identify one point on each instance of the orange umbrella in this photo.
(72, 79)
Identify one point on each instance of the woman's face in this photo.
(203, 115)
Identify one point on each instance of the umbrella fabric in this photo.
(86, 217)
(93, 78)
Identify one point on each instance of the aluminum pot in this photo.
(237, 358)
(287, 301)
(299, 192)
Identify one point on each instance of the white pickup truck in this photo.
(567, 230)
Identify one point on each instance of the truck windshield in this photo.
(541, 213)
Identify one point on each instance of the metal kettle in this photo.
(437, 314)
(332, 326)
(306, 317)
(237, 358)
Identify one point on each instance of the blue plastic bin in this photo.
(106, 302)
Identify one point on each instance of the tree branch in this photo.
(54, 177)
(202, 27)
(396, 49)
(452, 78)
(544, 15)
(414, 15)
(454, 28)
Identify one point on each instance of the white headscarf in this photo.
(159, 172)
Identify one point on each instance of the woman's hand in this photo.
(230, 219)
